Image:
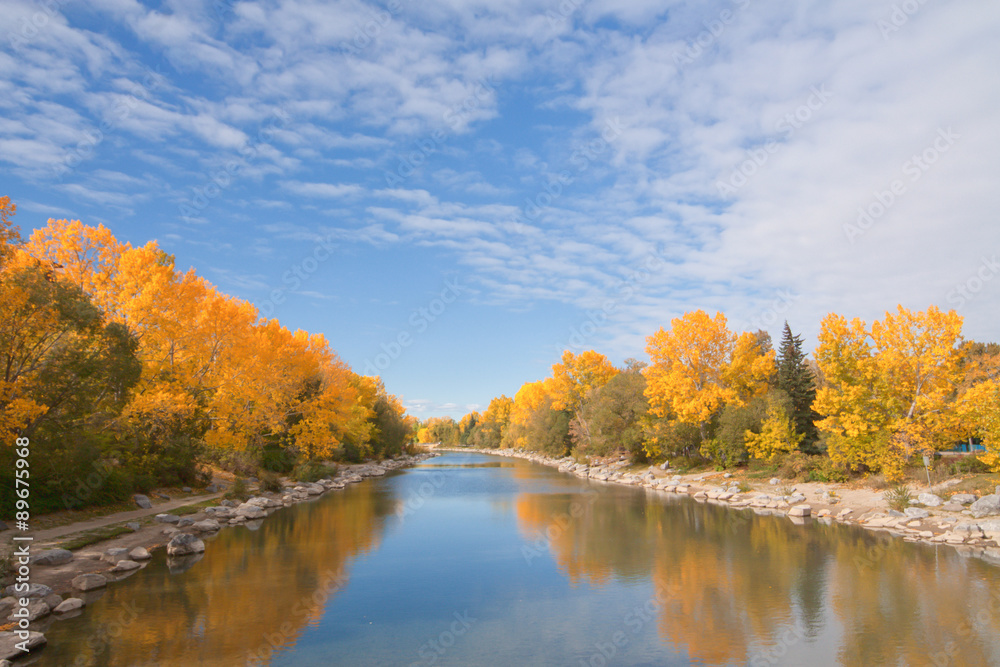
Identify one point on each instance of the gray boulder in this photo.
(963, 498)
(114, 555)
(10, 640)
(134, 526)
(185, 522)
(88, 582)
(929, 500)
(250, 512)
(142, 501)
(139, 553)
(184, 544)
(52, 557)
(986, 506)
(916, 513)
(36, 609)
(33, 591)
(206, 526)
(67, 605)
(167, 518)
(125, 566)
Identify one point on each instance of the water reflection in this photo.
(252, 594)
(732, 587)
(556, 570)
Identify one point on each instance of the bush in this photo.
(311, 471)
(239, 491)
(277, 459)
(967, 465)
(270, 481)
(898, 497)
(823, 469)
(795, 465)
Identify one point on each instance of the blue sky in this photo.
(468, 187)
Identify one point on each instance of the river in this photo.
(470, 559)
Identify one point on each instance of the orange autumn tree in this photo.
(573, 380)
(207, 357)
(529, 399)
(890, 388)
(698, 366)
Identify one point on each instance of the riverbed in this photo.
(469, 559)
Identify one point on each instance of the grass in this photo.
(193, 508)
(979, 485)
(93, 537)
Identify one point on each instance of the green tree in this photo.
(611, 417)
(796, 379)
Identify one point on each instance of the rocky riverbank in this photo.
(961, 520)
(64, 582)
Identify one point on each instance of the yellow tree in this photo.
(777, 435)
(699, 365)
(980, 411)
(890, 389)
(493, 426)
(529, 398)
(574, 378)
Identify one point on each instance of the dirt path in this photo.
(42, 537)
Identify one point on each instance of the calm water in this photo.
(478, 560)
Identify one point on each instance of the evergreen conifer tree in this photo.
(797, 380)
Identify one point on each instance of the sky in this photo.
(456, 191)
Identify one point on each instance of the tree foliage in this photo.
(120, 360)
(890, 388)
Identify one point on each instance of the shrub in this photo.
(239, 490)
(898, 497)
(824, 469)
(310, 471)
(795, 465)
(270, 481)
(967, 465)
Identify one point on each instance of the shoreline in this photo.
(948, 523)
(64, 582)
